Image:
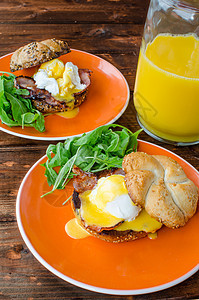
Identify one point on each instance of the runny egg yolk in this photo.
(107, 190)
(66, 87)
(54, 68)
(109, 205)
(62, 81)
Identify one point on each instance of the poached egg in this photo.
(62, 81)
(109, 205)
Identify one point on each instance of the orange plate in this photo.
(136, 267)
(107, 99)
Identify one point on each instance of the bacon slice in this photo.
(85, 181)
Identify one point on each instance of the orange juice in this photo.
(166, 93)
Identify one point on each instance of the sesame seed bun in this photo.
(37, 53)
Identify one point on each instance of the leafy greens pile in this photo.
(95, 151)
(16, 110)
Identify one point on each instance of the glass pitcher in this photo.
(166, 94)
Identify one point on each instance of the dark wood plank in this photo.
(97, 39)
(69, 12)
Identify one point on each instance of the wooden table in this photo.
(111, 29)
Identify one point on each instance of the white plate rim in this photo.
(77, 135)
(84, 285)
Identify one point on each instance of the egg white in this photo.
(111, 196)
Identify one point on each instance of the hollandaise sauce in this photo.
(69, 114)
(143, 222)
(74, 230)
(152, 235)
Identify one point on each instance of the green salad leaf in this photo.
(95, 151)
(16, 110)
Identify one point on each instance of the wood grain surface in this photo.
(111, 29)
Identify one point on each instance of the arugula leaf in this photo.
(10, 75)
(132, 146)
(60, 179)
(95, 151)
(92, 136)
(85, 151)
(50, 173)
(61, 155)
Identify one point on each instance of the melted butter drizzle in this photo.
(74, 230)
